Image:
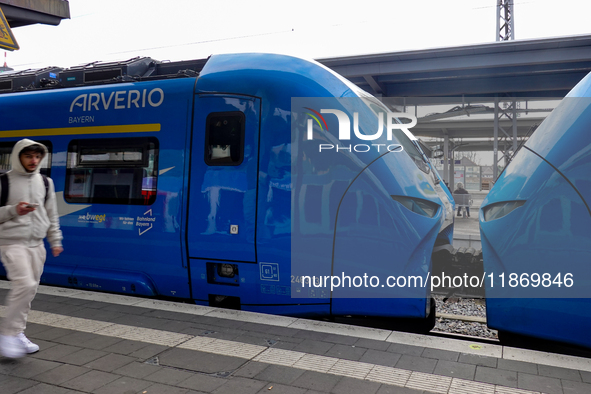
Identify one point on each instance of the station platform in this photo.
(109, 344)
(467, 229)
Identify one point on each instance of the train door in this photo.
(223, 179)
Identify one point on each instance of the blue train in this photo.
(208, 180)
(536, 231)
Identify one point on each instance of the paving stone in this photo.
(559, 373)
(200, 361)
(138, 370)
(340, 339)
(539, 383)
(316, 381)
(313, 347)
(33, 329)
(43, 345)
(61, 374)
(386, 389)
(378, 357)
(7, 364)
(159, 388)
(77, 339)
(164, 314)
(517, 366)
(56, 352)
(90, 381)
(169, 376)
(227, 336)
(176, 326)
(123, 385)
(11, 384)
(372, 344)
(283, 331)
(110, 362)
(346, 352)
(240, 385)
(406, 349)
(68, 300)
(355, 386)
(478, 360)
(90, 341)
(53, 333)
(148, 352)
(277, 388)
(126, 309)
(414, 363)
(280, 374)
(570, 387)
(82, 356)
(125, 347)
(455, 370)
(313, 335)
(45, 306)
(586, 376)
(30, 367)
(44, 388)
(204, 383)
(254, 327)
(251, 369)
(139, 321)
(97, 314)
(440, 354)
(96, 304)
(496, 376)
(285, 345)
(253, 340)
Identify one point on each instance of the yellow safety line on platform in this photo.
(128, 128)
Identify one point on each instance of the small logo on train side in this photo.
(344, 134)
(121, 99)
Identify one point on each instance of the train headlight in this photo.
(500, 209)
(418, 205)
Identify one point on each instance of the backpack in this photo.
(4, 190)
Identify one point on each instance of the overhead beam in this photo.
(374, 85)
(27, 12)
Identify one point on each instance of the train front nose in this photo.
(535, 230)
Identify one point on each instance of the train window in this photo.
(408, 146)
(224, 139)
(6, 153)
(112, 171)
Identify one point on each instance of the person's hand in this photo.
(22, 209)
(57, 250)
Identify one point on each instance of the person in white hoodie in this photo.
(28, 216)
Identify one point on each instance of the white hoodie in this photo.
(29, 229)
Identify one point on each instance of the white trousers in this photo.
(24, 267)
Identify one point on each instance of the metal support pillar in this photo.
(505, 25)
(452, 170)
(510, 140)
(496, 141)
(446, 157)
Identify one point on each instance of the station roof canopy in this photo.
(28, 12)
(533, 69)
(541, 67)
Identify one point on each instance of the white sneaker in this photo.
(11, 347)
(30, 347)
